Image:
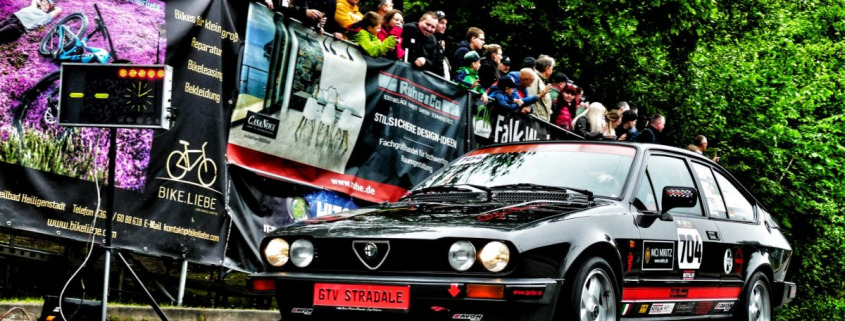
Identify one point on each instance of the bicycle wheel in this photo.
(75, 25)
(38, 108)
(207, 172)
(180, 162)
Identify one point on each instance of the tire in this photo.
(43, 95)
(592, 294)
(756, 301)
(76, 22)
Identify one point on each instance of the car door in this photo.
(735, 215)
(679, 267)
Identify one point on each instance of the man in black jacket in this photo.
(651, 134)
(420, 45)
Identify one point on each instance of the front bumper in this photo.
(431, 297)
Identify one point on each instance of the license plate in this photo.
(362, 296)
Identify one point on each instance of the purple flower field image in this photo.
(29, 85)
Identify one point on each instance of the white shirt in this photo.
(32, 17)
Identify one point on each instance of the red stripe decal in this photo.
(681, 293)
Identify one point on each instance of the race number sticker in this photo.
(690, 249)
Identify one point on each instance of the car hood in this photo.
(410, 218)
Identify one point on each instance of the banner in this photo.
(493, 125)
(327, 116)
(264, 205)
(169, 197)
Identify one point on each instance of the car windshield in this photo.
(601, 169)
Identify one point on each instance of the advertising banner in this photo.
(494, 125)
(264, 205)
(327, 116)
(170, 185)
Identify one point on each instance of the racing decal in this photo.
(685, 308)
(723, 306)
(471, 317)
(676, 293)
(661, 308)
(658, 255)
(728, 264)
(643, 308)
(470, 160)
(690, 249)
(703, 307)
(712, 293)
(305, 311)
(689, 275)
(625, 309)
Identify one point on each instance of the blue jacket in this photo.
(501, 99)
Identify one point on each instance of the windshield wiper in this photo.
(531, 186)
(453, 188)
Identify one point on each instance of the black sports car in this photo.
(541, 231)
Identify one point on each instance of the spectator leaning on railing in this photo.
(504, 96)
(367, 35)
(421, 46)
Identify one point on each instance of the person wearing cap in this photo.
(440, 35)
(468, 74)
(421, 48)
(474, 42)
(505, 65)
(504, 95)
(346, 13)
(38, 13)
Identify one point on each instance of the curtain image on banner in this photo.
(320, 123)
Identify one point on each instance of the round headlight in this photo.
(495, 256)
(301, 252)
(277, 252)
(461, 255)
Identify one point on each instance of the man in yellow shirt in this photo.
(347, 13)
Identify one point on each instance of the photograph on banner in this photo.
(320, 123)
(38, 36)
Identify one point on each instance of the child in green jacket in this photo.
(366, 35)
(468, 74)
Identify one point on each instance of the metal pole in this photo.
(106, 285)
(182, 278)
(109, 216)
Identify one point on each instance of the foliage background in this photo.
(763, 80)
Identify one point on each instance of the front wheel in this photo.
(756, 301)
(74, 26)
(593, 293)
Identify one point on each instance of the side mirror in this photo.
(677, 196)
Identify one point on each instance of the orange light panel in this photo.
(263, 285)
(142, 73)
(160, 73)
(632, 244)
(132, 73)
(151, 73)
(51, 318)
(122, 73)
(485, 291)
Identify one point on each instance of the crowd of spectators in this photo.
(480, 67)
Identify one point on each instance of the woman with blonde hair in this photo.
(612, 119)
(591, 123)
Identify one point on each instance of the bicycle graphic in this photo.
(207, 171)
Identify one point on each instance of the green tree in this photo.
(764, 80)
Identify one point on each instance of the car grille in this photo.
(450, 197)
(530, 196)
